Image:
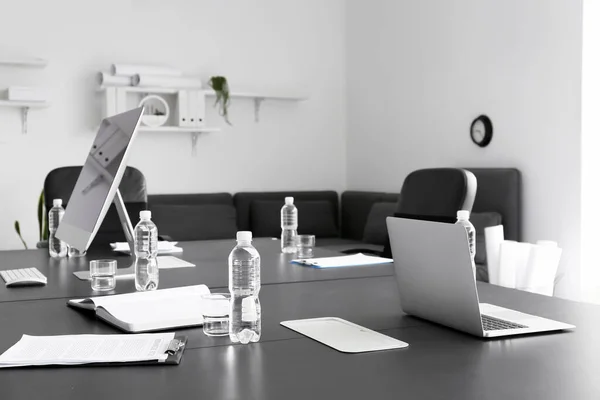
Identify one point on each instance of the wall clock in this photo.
(481, 131)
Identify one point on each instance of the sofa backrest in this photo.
(259, 212)
(194, 216)
(356, 206)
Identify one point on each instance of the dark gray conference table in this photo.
(440, 363)
(210, 257)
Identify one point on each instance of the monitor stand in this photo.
(125, 221)
(128, 272)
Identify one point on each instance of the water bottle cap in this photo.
(463, 214)
(57, 202)
(244, 236)
(145, 215)
(289, 201)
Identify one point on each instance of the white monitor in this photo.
(99, 180)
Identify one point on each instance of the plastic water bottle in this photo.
(56, 247)
(244, 285)
(146, 248)
(462, 218)
(289, 226)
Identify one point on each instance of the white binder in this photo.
(182, 109)
(196, 107)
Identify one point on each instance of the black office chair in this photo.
(432, 194)
(60, 182)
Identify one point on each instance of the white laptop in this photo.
(435, 276)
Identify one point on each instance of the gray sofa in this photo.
(352, 220)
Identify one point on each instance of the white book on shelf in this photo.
(192, 101)
(148, 311)
(200, 108)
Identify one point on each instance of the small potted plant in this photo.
(221, 87)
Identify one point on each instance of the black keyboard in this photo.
(496, 324)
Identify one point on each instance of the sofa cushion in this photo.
(376, 228)
(481, 221)
(195, 221)
(356, 206)
(243, 202)
(315, 217)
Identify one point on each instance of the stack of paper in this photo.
(343, 261)
(86, 349)
(163, 247)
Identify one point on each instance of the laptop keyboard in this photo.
(496, 324)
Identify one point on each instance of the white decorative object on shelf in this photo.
(25, 93)
(106, 79)
(179, 82)
(133, 69)
(156, 111)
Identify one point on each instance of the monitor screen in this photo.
(99, 179)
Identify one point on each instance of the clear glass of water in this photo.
(305, 245)
(215, 310)
(103, 274)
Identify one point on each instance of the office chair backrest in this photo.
(60, 182)
(437, 192)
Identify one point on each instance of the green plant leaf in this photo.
(221, 87)
(18, 230)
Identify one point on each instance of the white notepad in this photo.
(164, 262)
(353, 260)
(343, 335)
(148, 311)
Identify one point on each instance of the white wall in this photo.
(269, 44)
(418, 73)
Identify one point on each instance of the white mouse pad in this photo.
(343, 336)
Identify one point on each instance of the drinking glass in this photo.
(305, 245)
(103, 274)
(215, 310)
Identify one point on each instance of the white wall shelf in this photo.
(24, 106)
(194, 132)
(28, 62)
(178, 129)
(211, 93)
(257, 97)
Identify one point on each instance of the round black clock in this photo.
(481, 131)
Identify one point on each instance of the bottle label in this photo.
(249, 313)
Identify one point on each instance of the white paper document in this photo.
(164, 247)
(353, 260)
(86, 349)
(169, 262)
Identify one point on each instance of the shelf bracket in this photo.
(194, 143)
(257, 103)
(24, 114)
